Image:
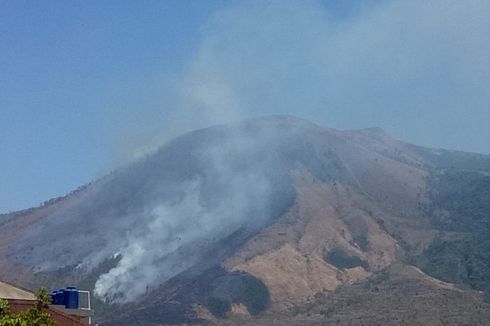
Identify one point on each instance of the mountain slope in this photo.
(263, 218)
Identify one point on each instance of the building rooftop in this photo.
(8, 291)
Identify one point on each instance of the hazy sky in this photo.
(87, 85)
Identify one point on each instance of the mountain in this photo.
(274, 220)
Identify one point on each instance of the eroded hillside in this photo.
(273, 220)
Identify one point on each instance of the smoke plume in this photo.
(417, 68)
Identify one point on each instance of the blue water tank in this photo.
(66, 297)
(60, 295)
(71, 298)
(54, 299)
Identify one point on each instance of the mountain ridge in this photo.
(299, 211)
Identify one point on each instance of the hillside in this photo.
(274, 220)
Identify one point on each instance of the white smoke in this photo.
(401, 65)
(175, 236)
(151, 255)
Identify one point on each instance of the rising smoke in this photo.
(176, 235)
(402, 65)
(418, 69)
(170, 211)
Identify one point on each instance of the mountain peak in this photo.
(279, 204)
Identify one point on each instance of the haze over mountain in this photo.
(89, 86)
(274, 218)
(221, 168)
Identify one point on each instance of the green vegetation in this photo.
(219, 307)
(379, 277)
(460, 203)
(237, 288)
(254, 295)
(459, 261)
(341, 259)
(34, 316)
(361, 240)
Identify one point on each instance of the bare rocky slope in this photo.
(270, 221)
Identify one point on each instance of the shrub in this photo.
(34, 316)
(341, 259)
(379, 277)
(218, 306)
(237, 288)
(254, 295)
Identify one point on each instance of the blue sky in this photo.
(87, 85)
(60, 62)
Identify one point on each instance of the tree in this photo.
(34, 316)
